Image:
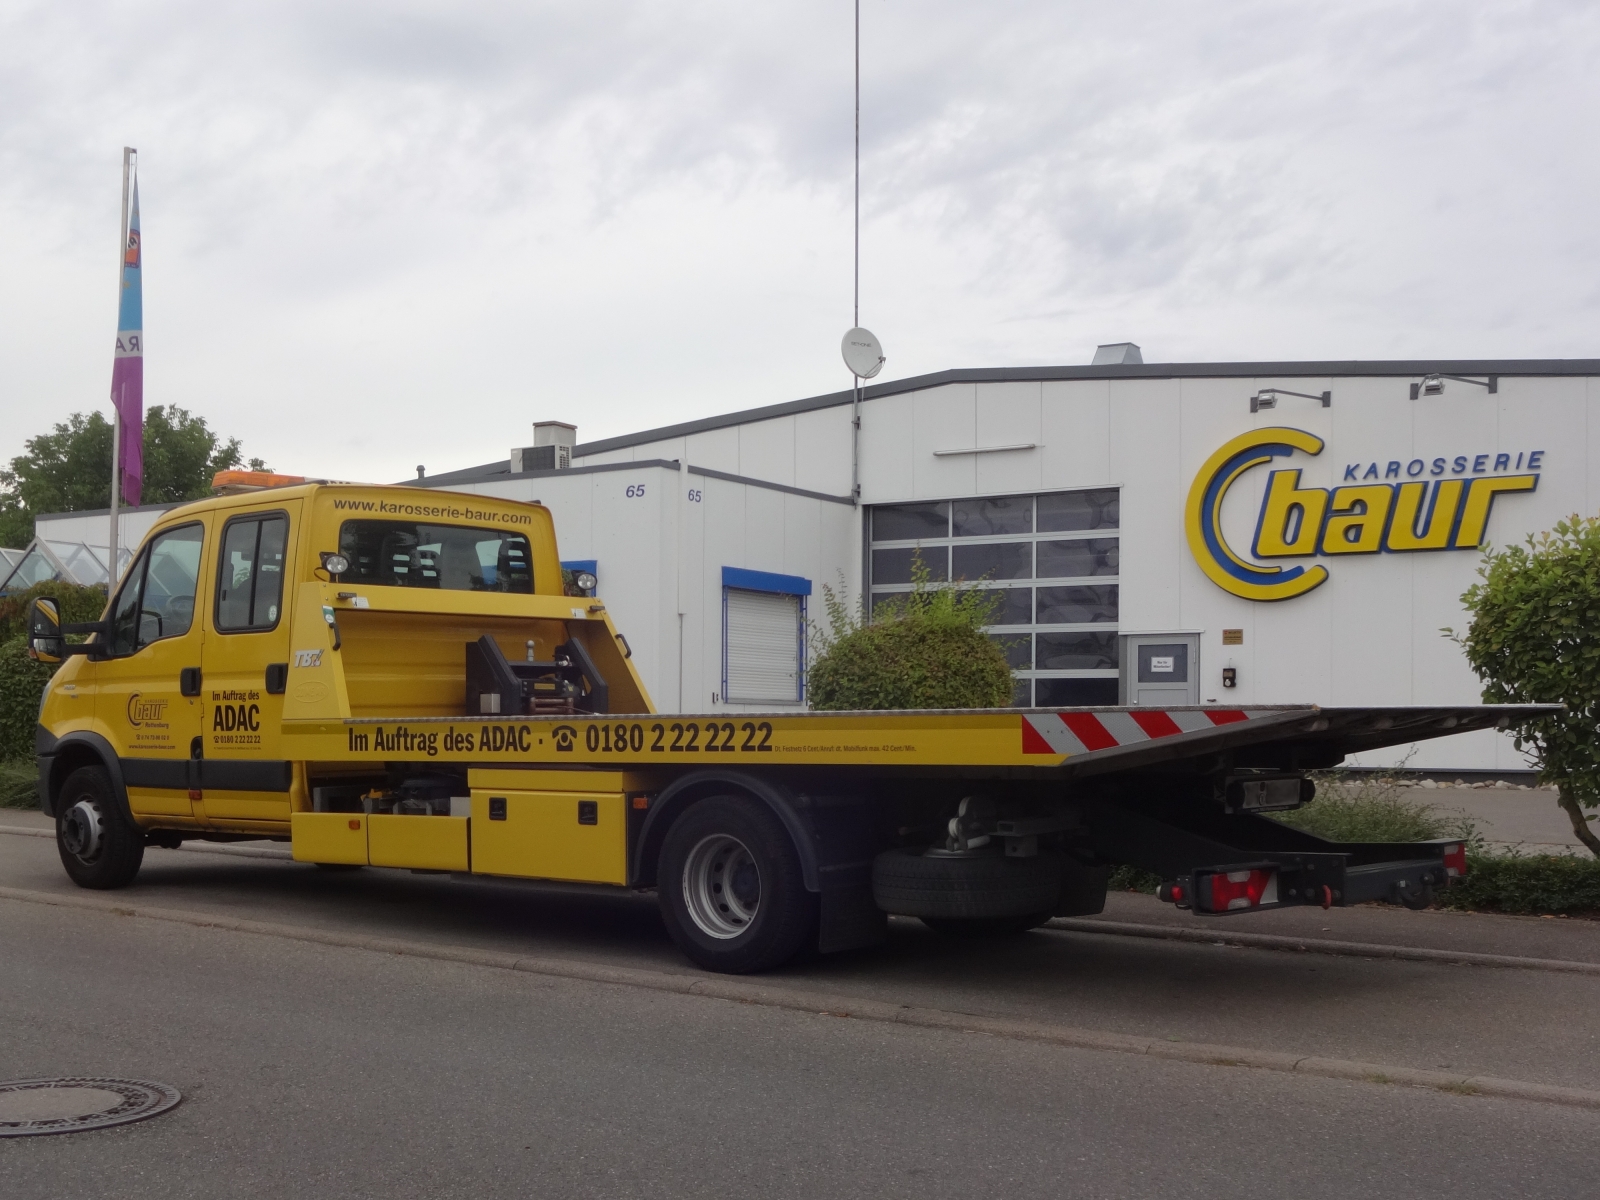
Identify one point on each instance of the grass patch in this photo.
(18, 778)
(1373, 809)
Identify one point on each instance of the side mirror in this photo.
(45, 643)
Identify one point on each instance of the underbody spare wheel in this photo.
(985, 886)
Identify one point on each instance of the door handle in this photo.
(277, 678)
(189, 681)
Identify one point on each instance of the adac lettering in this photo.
(230, 717)
(1440, 503)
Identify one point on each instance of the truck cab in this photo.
(229, 615)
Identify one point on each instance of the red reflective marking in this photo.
(1155, 722)
(1225, 716)
(1032, 741)
(1088, 730)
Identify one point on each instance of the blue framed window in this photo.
(763, 637)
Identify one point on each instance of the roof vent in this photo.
(551, 450)
(1115, 354)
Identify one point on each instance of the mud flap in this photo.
(849, 918)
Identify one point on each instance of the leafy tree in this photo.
(69, 469)
(1535, 639)
(922, 650)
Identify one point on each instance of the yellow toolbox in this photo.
(329, 837)
(421, 843)
(570, 825)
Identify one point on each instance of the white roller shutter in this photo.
(763, 647)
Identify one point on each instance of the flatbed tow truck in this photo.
(395, 677)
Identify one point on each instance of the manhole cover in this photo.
(34, 1106)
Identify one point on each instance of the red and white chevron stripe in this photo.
(1083, 732)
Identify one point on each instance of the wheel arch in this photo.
(66, 755)
(676, 797)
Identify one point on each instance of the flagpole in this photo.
(116, 416)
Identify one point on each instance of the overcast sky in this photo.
(389, 233)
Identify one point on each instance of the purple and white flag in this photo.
(127, 376)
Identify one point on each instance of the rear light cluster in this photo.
(1243, 889)
(1455, 860)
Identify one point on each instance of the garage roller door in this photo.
(763, 647)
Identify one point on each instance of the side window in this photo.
(250, 572)
(157, 596)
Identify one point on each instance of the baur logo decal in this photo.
(145, 712)
(1447, 508)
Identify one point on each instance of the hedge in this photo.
(21, 684)
(1531, 883)
(78, 604)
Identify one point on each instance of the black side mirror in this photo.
(45, 643)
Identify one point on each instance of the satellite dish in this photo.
(862, 353)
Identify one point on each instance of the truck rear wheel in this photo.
(730, 887)
(99, 847)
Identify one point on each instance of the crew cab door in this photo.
(148, 687)
(247, 664)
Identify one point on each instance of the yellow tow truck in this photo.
(397, 677)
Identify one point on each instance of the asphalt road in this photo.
(313, 1070)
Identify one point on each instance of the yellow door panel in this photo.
(578, 836)
(329, 837)
(160, 802)
(423, 843)
(147, 698)
(247, 661)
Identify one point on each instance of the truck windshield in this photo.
(449, 557)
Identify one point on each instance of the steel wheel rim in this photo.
(721, 886)
(83, 831)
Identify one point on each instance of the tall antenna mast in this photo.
(862, 353)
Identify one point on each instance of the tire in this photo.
(986, 927)
(100, 848)
(730, 887)
(982, 887)
(1417, 899)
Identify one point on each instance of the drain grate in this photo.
(29, 1107)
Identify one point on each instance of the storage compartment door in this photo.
(576, 836)
(421, 843)
(329, 837)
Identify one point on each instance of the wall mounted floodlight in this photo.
(1268, 398)
(1433, 385)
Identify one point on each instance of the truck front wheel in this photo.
(99, 847)
(730, 887)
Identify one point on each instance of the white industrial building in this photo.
(1237, 533)
(1067, 487)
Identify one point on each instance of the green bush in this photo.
(21, 685)
(17, 784)
(1513, 883)
(1372, 810)
(926, 649)
(78, 604)
(1132, 879)
(1535, 639)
